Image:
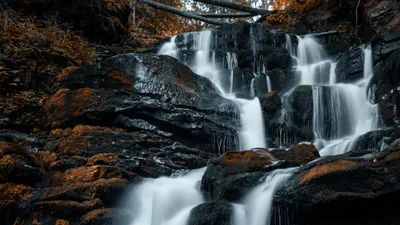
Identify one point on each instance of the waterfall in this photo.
(341, 112)
(257, 205)
(164, 201)
(252, 132)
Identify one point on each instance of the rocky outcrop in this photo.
(211, 213)
(387, 89)
(78, 175)
(234, 174)
(366, 182)
(298, 155)
(140, 92)
(253, 51)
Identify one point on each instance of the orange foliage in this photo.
(18, 33)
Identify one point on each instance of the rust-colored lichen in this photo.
(334, 167)
(242, 161)
(16, 192)
(120, 78)
(82, 129)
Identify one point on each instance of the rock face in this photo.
(232, 175)
(387, 88)
(153, 93)
(79, 174)
(365, 183)
(253, 51)
(211, 213)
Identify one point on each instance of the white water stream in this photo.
(341, 112)
(168, 201)
(252, 133)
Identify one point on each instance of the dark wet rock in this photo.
(106, 216)
(282, 79)
(372, 139)
(350, 66)
(292, 122)
(224, 174)
(260, 86)
(21, 111)
(211, 213)
(279, 60)
(368, 182)
(176, 103)
(17, 165)
(300, 154)
(66, 209)
(242, 81)
(388, 88)
(270, 102)
(383, 17)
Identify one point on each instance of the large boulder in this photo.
(140, 92)
(78, 175)
(211, 213)
(234, 173)
(299, 154)
(369, 183)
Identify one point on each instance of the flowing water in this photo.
(166, 201)
(257, 205)
(252, 133)
(341, 113)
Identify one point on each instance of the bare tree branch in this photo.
(179, 12)
(225, 15)
(230, 5)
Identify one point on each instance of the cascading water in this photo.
(257, 205)
(166, 201)
(252, 133)
(341, 112)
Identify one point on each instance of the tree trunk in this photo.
(230, 5)
(179, 12)
(225, 15)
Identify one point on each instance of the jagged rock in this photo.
(17, 165)
(106, 216)
(350, 66)
(220, 181)
(366, 182)
(388, 88)
(270, 102)
(156, 93)
(211, 213)
(300, 154)
(282, 79)
(66, 209)
(383, 16)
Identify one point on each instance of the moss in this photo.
(83, 129)
(16, 192)
(329, 168)
(245, 161)
(120, 78)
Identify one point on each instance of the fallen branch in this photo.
(179, 12)
(225, 15)
(230, 5)
(325, 33)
